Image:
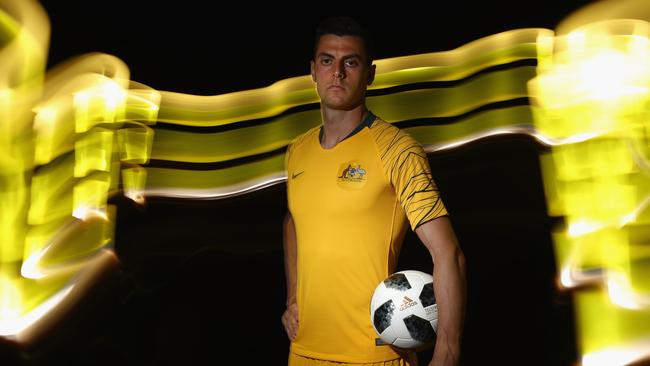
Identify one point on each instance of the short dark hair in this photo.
(345, 26)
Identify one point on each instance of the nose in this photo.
(339, 73)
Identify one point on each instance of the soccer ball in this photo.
(403, 310)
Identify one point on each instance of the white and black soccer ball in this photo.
(403, 310)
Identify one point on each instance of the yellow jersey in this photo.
(351, 206)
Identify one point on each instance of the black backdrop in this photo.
(203, 282)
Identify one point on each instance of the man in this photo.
(354, 185)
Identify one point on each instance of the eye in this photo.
(351, 63)
(326, 61)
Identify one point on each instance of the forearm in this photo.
(449, 287)
(290, 257)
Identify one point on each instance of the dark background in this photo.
(203, 282)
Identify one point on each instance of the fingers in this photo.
(292, 326)
(290, 322)
(289, 326)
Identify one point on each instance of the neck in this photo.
(338, 124)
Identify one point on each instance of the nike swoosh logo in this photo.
(295, 175)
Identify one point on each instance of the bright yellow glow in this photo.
(134, 184)
(93, 128)
(10, 301)
(609, 75)
(596, 83)
(611, 357)
(582, 228)
(93, 152)
(60, 159)
(89, 196)
(622, 293)
(18, 323)
(98, 104)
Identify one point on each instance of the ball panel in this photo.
(427, 297)
(417, 277)
(383, 316)
(397, 281)
(419, 329)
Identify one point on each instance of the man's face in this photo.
(341, 71)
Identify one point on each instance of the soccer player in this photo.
(354, 186)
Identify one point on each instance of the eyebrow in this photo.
(325, 54)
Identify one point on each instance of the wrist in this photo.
(290, 301)
(451, 345)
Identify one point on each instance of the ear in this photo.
(313, 72)
(371, 73)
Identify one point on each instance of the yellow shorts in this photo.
(297, 360)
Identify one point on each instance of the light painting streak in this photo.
(594, 78)
(17, 323)
(83, 132)
(64, 138)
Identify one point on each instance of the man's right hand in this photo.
(290, 320)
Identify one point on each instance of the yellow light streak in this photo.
(75, 135)
(595, 82)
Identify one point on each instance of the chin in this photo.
(336, 103)
(340, 106)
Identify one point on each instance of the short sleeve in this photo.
(407, 167)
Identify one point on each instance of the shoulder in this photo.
(389, 137)
(303, 138)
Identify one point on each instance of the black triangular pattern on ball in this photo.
(383, 316)
(397, 281)
(419, 329)
(427, 297)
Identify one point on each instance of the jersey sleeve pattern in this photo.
(407, 168)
